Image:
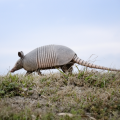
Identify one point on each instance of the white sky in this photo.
(87, 26)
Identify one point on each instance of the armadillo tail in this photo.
(85, 63)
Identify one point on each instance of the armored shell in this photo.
(47, 56)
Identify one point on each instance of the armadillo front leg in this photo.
(28, 72)
(38, 71)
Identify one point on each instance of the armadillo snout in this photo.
(13, 69)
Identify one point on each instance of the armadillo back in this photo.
(54, 55)
(64, 54)
(48, 56)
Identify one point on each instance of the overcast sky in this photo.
(87, 26)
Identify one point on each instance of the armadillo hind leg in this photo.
(28, 72)
(67, 68)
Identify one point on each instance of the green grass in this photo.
(86, 95)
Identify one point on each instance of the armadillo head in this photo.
(19, 63)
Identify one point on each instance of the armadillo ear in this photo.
(21, 54)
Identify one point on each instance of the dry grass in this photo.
(80, 96)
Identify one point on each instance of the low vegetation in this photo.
(86, 95)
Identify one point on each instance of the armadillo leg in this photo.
(28, 72)
(67, 68)
(70, 70)
(38, 71)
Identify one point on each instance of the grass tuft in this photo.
(84, 95)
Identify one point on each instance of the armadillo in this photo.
(51, 57)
